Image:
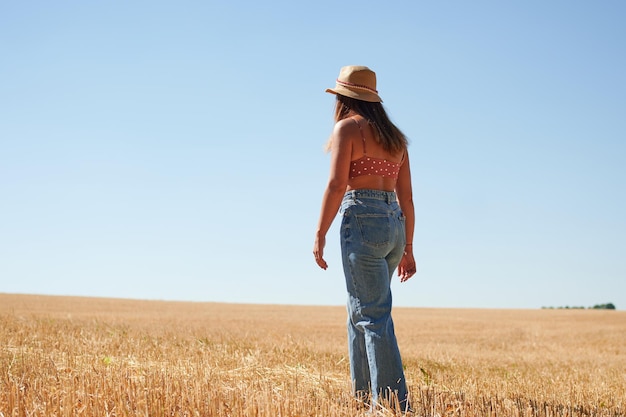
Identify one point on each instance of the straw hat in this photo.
(357, 82)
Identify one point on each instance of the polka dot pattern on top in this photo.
(374, 166)
(366, 165)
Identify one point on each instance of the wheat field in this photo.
(73, 356)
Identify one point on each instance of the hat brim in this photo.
(358, 95)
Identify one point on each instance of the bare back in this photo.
(364, 139)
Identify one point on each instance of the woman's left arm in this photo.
(341, 152)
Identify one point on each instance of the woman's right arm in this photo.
(404, 191)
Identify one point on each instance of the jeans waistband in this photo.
(388, 196)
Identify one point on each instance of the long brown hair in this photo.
(386, 133)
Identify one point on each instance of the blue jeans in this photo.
(372, 244)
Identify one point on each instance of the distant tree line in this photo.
(607, 306)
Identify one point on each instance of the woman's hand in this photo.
(318, 251)
(407, 267)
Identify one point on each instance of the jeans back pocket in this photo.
(375, 229)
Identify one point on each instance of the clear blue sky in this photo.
(174, 150)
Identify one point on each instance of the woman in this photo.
(370, 180)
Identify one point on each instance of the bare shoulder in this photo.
(345, 129)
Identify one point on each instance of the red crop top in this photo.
(367, 165)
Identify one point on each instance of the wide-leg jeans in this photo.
(372, 244)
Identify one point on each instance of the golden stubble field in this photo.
(72, 356)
